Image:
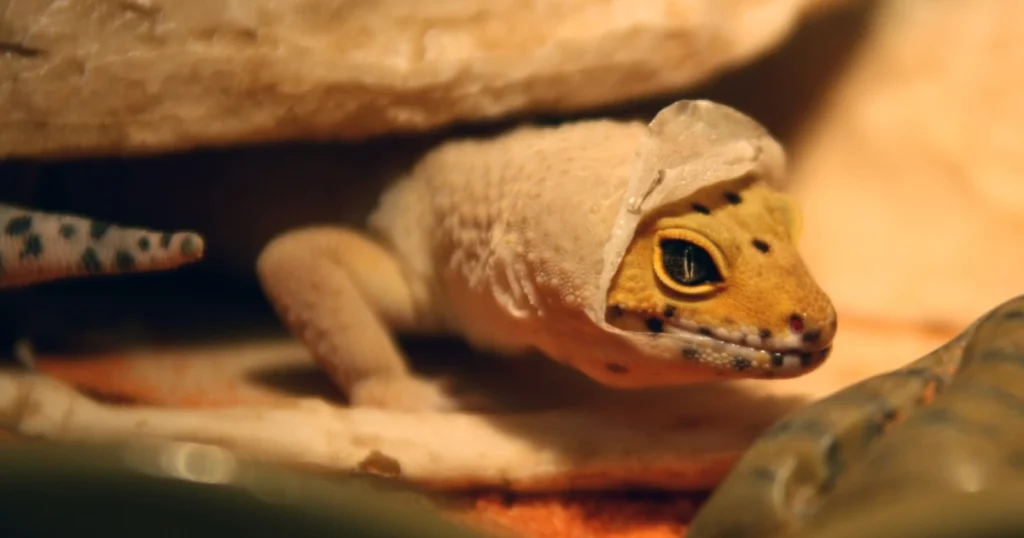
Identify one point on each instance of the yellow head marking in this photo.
(721, 272)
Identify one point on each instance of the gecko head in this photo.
(717, 277)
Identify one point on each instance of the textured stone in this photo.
(137, 76)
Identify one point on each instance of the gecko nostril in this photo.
(796, 323)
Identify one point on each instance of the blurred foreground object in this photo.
(185, 489)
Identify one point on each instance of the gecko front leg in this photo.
(341, 294)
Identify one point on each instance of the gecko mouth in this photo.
(749, 353)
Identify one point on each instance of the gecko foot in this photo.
(405, 394)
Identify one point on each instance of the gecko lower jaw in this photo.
(747, 354)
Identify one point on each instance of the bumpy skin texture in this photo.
(512, 243)
(946, 424)
(749, 230)
(36, 247)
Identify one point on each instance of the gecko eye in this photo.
(686, 266)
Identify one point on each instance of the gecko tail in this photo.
(36, 246)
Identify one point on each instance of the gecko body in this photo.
(639, 254)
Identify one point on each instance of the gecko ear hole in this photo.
(686, 265)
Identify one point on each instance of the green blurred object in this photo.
(995, 512)
(184, 489)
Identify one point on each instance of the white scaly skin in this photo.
(513, 243)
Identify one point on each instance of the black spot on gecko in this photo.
(669, 311)
(97, 229)
(33, 246)
(764, 334)
(188, 245)
(691, 353)
(733, 198)
(615, 311)
(91, 261)
(165, 239)
(654, 325)
(811, 336)
(124, 260)
(740, 364)
(806, 360)
(705, 331)
(144, 244)
(761, 245)
(778, 359)
(68, 230)
(701, 209)
(616, 368)
(19, 225)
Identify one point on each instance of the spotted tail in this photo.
(37, 247)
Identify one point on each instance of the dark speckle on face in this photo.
(761, 245)
(777, 359)
(616, 368)
(811, 336)
(33, 246)
(670, 311)
(144, 244)
(124, 260)
(615, 311)
(68, 231)
(691, 353)
(701, 209)
(19, 225)
(740, 364)
(733, 198)
(705, 331)
(98, 229)
(91, 261)
(654, 325)
(165, 240)
(188, 246)
(806, 359)
(764, 334)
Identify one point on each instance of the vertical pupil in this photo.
(686, 262)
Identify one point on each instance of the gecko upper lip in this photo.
(748, 340)
(786, 360)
